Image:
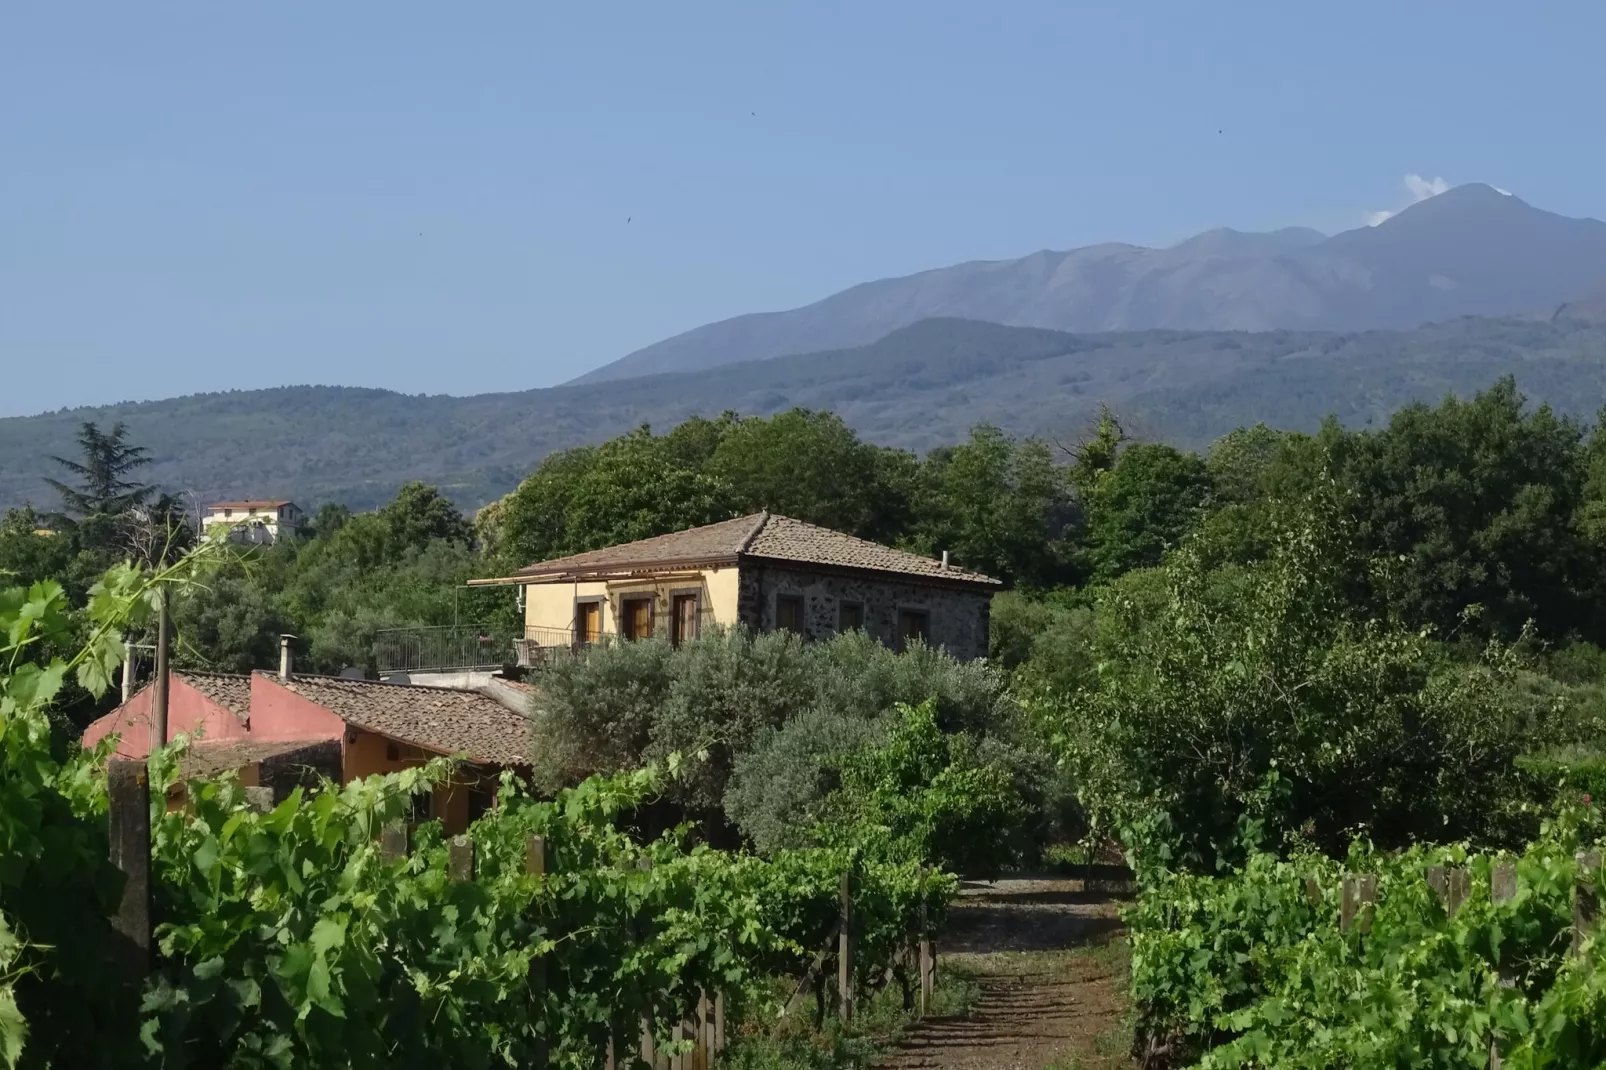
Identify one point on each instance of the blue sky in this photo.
(434, 197)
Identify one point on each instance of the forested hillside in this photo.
(918, 388)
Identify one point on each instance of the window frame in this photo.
(577, 633)
(924, 614)
(794, 599)
(626, 619)
(675, 597)
(842, 605)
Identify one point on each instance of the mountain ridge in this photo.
(1471, 250)
(917, 387)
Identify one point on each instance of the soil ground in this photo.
(1050, 966)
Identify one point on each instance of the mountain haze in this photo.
(1471, 251)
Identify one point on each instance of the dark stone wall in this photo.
(957, 619)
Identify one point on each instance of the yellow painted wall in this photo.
(370, 754)
(551, 606)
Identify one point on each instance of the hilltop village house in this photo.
(281, 730)
(765, 571)
(252, 522)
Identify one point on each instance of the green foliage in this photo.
(1234, 701)
(737, 699)
(104, 488)
(1246, 970)
(291, 941)
(999, 505)
(1145, 503)
(421, 515)
(929, 790)
(57, 888)
(812, 466)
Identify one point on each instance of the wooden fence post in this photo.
(460, 859)
(1359, 894)
(393, 841)
(1502, 888)
(535, 865)
(719, 1023)
(926, 965)
(129, 828)
(844, 954)
(1451, 884)
(1586, 898)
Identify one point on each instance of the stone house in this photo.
(279, 730)
(763, 571)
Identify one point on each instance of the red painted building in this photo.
(278, 731)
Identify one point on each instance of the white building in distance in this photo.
(254, 523)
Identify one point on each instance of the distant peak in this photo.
(1225, 241)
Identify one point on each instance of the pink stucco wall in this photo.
(276, 714)
(279, 713)
(188, 713)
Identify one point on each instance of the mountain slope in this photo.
(1469, 251)
(918, 387)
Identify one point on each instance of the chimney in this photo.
(128, 670)
(287, 656)
(945, 560)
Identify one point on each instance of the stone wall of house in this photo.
(957, 618)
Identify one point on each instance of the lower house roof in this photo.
(440, 719)
(203, 759)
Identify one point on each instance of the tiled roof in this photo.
(274, 504)
(229, 690)
(762, 535)
(784, 539)
(204, 759)
(440, 719)
(694, 546)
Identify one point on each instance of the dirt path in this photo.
(1051, 969)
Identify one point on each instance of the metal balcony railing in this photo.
(450, 648)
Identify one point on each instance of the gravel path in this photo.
(1052, 982)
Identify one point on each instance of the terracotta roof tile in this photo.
(440, 719)
(785, 539)
(204, 759)
(230, 690)
(762, 535)
(694, 546)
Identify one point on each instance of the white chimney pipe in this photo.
(945, 560)
(287, 656)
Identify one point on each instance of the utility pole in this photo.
(159, 688)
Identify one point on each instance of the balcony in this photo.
(471, 647)
(455, 648)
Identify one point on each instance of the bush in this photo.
(778, 793)
(931, 793)
(1231, 701)
(734, 699)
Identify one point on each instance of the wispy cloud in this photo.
(1417, 188)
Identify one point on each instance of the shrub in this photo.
(1235, 699)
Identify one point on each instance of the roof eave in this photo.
(976, 582)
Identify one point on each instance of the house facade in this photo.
(767, 572)
(252, 522)
(281, 730)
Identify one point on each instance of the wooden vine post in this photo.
(129, 828)
(1502, 889)
(927, 964)
(535, 866)
(844, 952)
(1359, 896)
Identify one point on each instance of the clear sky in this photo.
(455, 198)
